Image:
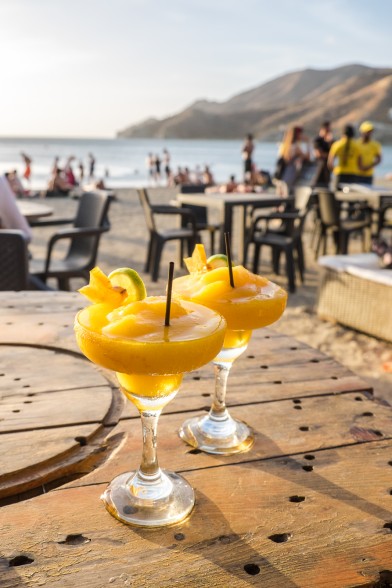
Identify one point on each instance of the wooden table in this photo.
(309, 506)
(33, 210)
(225, 204)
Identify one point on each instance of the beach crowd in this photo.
(347, 160)
(323, 161)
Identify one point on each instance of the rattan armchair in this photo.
(14, 263)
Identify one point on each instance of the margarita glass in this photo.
(149, 359)
(252, 303)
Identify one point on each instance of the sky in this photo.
(89, 68)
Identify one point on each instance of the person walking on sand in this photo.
(91, 160)
(346, 150)
(247, 152)
(370, 153)
(27, 171)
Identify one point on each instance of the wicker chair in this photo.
(14, 263)
(355, 292)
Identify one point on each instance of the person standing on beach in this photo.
(166, 165)
(247, 152)
(157, 171)
(292, 156)
(346, 150)
(150, 165)
(27, 161)
(91, 160)
(81, 171)
(325, 133)
(369, 153)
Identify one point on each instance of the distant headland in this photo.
(347, 94)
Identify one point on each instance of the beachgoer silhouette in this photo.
(150, 164)
(325, 133)
(27, 161)
(247, 152)
(370, 153)
(157, 172)
(81, 171)
(347, 151)
(166, 164)
(91, 160)
(322, 173)
(208, 178)
(68, 171)
(15, 183)
(55, 164)
(293, 157)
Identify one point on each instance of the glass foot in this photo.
(129, 501)
(220, 437)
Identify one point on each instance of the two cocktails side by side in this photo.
(126, 331)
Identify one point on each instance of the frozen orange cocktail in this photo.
(254, 302)
(124, 330)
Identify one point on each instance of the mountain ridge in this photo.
(345, 94)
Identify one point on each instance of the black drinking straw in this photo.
(228, 253)
(169, 293)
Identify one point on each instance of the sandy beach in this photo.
(125, 245)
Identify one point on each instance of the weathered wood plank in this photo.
(25, 370)
(31, 302)
(327, 528)
(280, 429)
(32, 448)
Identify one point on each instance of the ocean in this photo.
(122, 162)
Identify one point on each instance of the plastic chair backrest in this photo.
(92, 213)
(329, 209)
(13, 260)
(148, 212)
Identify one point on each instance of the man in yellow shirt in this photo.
(369, 153)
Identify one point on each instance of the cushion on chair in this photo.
(362, 265)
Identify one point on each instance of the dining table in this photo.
(308, 506)
(225, 205)
(33, 210)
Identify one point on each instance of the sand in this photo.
(125, 245)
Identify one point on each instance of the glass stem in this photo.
(149, 467)
(218, 409)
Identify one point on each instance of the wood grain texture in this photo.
(280, 429)
(335, 537)
(308, 507)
